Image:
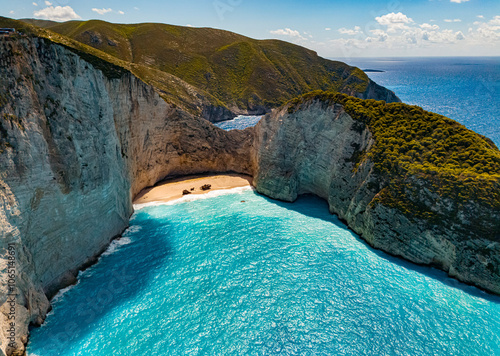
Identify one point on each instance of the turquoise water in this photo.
(218, 276)
(239, 122)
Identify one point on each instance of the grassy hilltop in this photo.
(419, 152)
(228, 70)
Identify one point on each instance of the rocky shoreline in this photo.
(77, 146)
(292, 160)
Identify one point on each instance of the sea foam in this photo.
(193, 197)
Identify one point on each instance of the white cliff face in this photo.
(65, 190)
(313, 150)
(159, 140)
(307, 152)
(75, 147)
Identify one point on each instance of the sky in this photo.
(335, 29)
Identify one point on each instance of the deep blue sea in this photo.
(235, 273)
(240, 274)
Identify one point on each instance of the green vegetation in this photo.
(171, 88)
(4, 98)
(418, 150)
(225, 68)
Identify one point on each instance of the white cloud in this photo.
(121, 12)
(328, 29)
(394, 21)
(288, 32)
(458, 1)
(398, 34)
(136, 8)
(189, 25)
(35, 4)
(427, 26)
(102, 11)
(58, 13)
(486, 31)
(480, 16)
(48, 3)
(452, 20)
(351, 32)
(11, 11)
(380, 36)
(459, 36)
(393, 18)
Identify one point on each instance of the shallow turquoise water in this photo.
(239, 122)
(218, 276)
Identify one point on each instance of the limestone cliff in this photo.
(76, 145)
(321, 149)
(79, 137)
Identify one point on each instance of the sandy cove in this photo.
(171, 189)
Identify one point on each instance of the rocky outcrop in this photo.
(211, 73)
(79, 140)
(378, 92)
(314, 150)
(76, 146)
(158, 140)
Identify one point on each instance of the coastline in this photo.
(172, 189)
(168, 190)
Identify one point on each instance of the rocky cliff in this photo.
(437, 215)
(81, 136)
(76, 145)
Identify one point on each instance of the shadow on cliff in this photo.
(104, 288)
(428, 271)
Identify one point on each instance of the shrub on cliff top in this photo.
(412, 143)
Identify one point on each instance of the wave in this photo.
(115, 244)
(112, 248)
(193, 197)
(239, 122)
(65, 290)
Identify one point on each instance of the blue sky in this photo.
(340, 29)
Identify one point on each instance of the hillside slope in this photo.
(232, 71)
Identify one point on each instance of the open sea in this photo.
(235, 273)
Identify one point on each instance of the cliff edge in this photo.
(214, 73)
(80, 136)
(76, 144)
(412, 183)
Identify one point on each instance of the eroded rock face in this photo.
(378, 92)
(313, 151)
(76, 146)
(158, 140)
